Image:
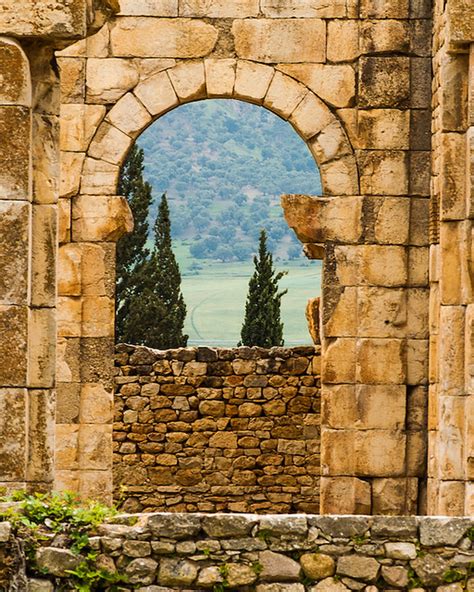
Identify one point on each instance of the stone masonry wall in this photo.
(202, 429)
(165, 552)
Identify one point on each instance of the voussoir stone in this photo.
(57, 562)
(175, 526)
(355, 566)
(317, 565)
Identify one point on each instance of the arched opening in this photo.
(223, 165)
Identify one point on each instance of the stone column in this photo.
(451, 409)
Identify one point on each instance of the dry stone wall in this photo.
(201, 429)
(301, 553)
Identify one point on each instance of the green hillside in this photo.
(224, 165)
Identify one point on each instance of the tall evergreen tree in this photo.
(132, 254)
(262, 325)
(165, 278)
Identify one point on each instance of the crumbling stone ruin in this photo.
(381, 91)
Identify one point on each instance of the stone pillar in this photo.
(451, 408)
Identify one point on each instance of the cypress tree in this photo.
(165, 281)
(132, 254)
(262, 325)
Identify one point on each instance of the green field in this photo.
(215, 297)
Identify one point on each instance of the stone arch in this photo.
(256, 83)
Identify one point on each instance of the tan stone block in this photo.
(13, 424)
(434, 309)
(347, 406)
(93, 46)
(162, 38)
(383, 172)
(16, 83)
(460, 21)
(384, 129)
(451, 350)
(148, 7)
(100, 218)
(99, 177)
(68, 399)
(98, 316)
(97, 404)
(95, 447)
(385, 36)
(67, 447)
(382, 265)
(418, 266)
(41, 428)
(66, 481)
(455, 280)
(96, 485)
(67, 359)
(343, 40)
(454, 92)
(339, 361)
(64, 220)
(391, 219)
(311, 116)
(384, 81)
(331, 143)
(380, 453)
(334, 84)
(303, 8)
(284, 95)
(108, 79)
(451, 498)
(417, 361)
(157, 94)
(340, 177)
(78, 125)
(43, 255)
(381, 312)
(451, 438)
(189, 80)
(383, 9)
(420, 168)
(14, 246)
(219, 8)
(395, 497)
(417, 409)
(71, 169)
(220, 77)
(468, 499)
(346, 262)
(417, 443)
(252, 81)
(453, 176)
(45, 159)
(129, 115)
(380, 361)
(338, 452)
(110, 144)
(13, 345)
(285, 40)
(73, 79)
(419, 221)
(418, 311)
(69, 316)
(433, 362)
(469, 350)
(98, 269)
(319, 219)
(339, 307)
(345, 495)
(15, 177)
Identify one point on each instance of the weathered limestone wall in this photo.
(202, 429)
(451, 425)
(166, 552)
